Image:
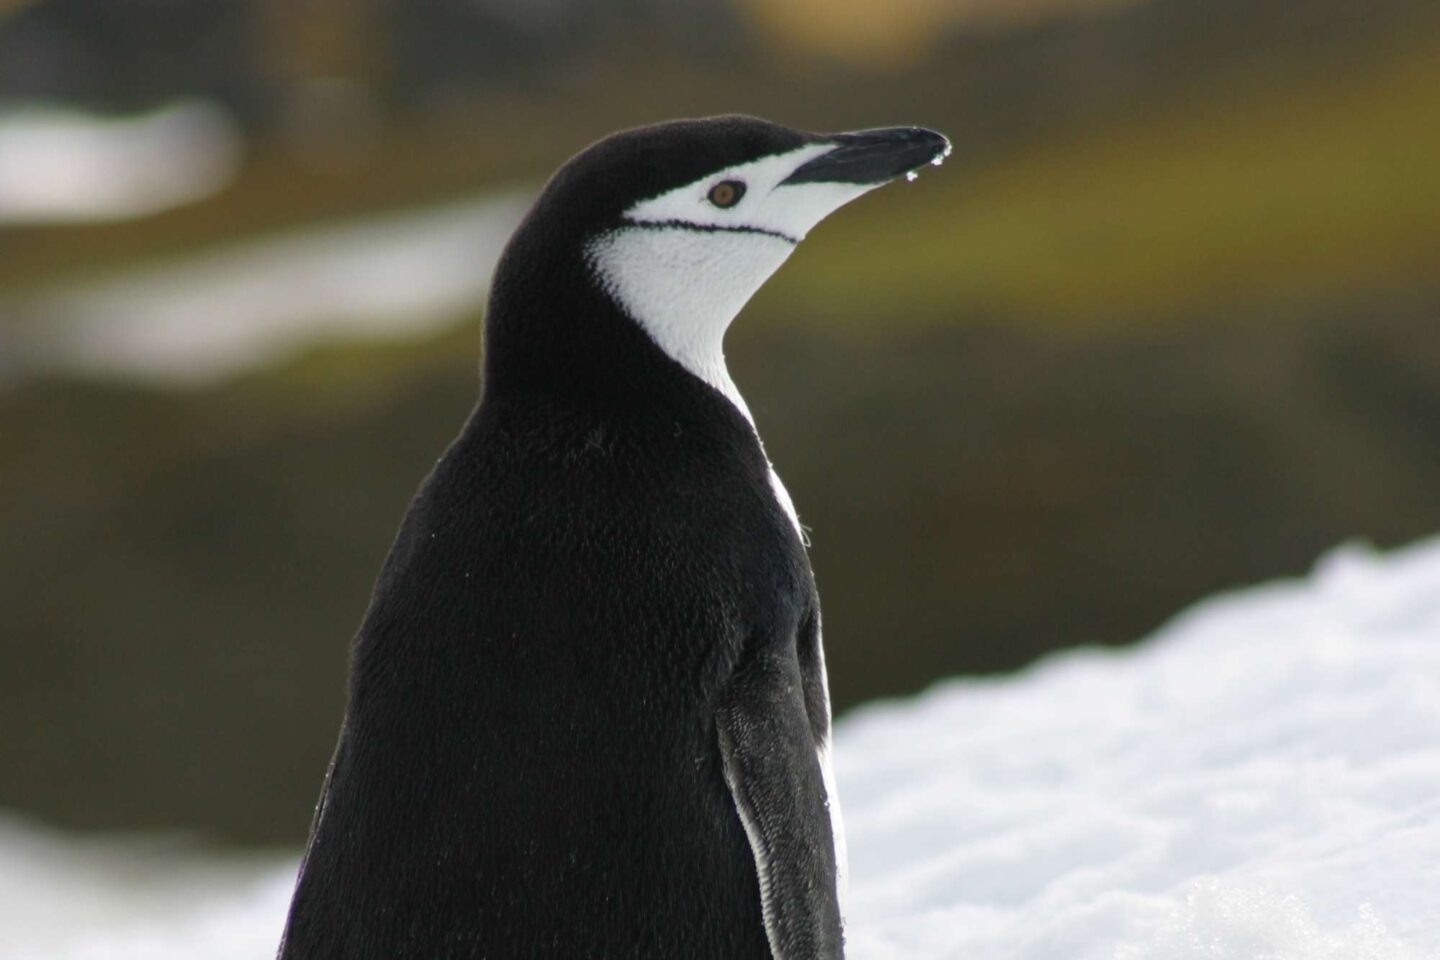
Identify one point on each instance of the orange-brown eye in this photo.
(727, 193)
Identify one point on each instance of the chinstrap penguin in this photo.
(588, 713)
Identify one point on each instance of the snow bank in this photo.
(61, 164)
(205, 317)
(1260, 781)
(135, 899)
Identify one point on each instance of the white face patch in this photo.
(683, 267)
(685, 286)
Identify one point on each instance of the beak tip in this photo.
(939, 144)
(875, 156)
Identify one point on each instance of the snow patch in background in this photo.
(60, 164)
(64, 898)
(1259, 781)
(197, 320)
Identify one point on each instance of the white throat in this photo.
(682, 267)
(684, 287)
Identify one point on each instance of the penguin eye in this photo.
(726, 193)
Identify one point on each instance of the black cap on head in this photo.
(668, 230)
(604, 179)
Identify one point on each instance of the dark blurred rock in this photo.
(1010, 85)
(996, 85)
(444, 52)
(983, 497)
(122, 55)
(129, 55)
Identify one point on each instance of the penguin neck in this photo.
(551, 331)
(702, 355)
(684, 286)
(689, 326)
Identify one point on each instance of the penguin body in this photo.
(587, 708)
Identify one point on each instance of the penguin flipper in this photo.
(774, 776)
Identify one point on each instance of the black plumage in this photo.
(593, 647)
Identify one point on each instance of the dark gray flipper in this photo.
(774, 775)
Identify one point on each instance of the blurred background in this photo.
(1165, 323)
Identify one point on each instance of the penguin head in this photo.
(677, 225)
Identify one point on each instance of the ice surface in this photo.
(1259, 781)
(62, 164)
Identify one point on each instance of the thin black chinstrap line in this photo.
(710, 228)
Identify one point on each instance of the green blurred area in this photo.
(1165, 323)
(1269, 191)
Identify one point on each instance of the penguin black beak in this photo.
(873, 156)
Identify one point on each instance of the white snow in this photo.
(61, 164)
(64, 898)
(212, 315)
(1258, 781)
